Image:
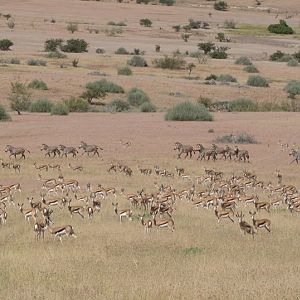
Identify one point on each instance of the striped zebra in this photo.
(14, 151)
(187, 149)
(296, 155)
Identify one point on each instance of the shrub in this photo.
(174, 62)
(167, 2)
(59, 109)
(55, 54)
(72, 27)
(243, 104)
(19, 96)
(293, 88)
(256, 80)
(145, 22)
(251, 69)
(188, 111)
(113, 31)
(281, 28)
(75, 104)
(243, 60)
(211, 77)
(119, 105)
(220, 5)
(38, 85)
(122, 51)
(51, 45)
(143, 1)
(75, 46)
(293, 63)
(100, 51)
(296, 55)
(4, 116)
(13, 61)
(137, 61)
(280, 56)
(137, 97)
(147, 107)
(219, 53)
(242, 138)
(226, 78)
(229, 24)
(10, 23)
(207, 47)
(36, 62)
(124, 71)
(5, 44)
(221, 37)
(43, 105)
(207, 102)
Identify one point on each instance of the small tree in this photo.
(10, 23)
(4, 116)
(5, 44)
(207, 47)
(190, 67)
(176, 28)
(221, 5)
(137, 61)
(72, 27)
(19, 97)
(146, 22)
(281, 28)
(221, 37)
(94, 90)
(52, 45)
(293, 88)
(75, 46)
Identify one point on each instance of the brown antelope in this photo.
(222, 214)
(262, 205)
(28, 213)
(146, 224)
(61, 231)
(244, 226)
(17, 167)
(164, 223)
(39, 228)
(37, 205)
(41, 167)
(262, 223)
(53, 167)
(76, 168)
(3, 216)
(127, 213)
(76, 210)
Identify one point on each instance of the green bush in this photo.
(296, 55)
(174, 62)
(124, 71)
(119, 105)
(207, 47)
(75, 46)
(72, 27)
(211, 77)
(147, 107)
(293, 88)
(229, 24)
(100, 51)
(19, 96)
(55, 54)
(36, 62)
(59, 109)
(75, 104)
(219, 53)
(281, 28)
(251, 69)
(38, 85)
(221, 5)
(257, 80)
(226, 78)
(137, 61)
(5, 44)
(242, 138)
(121, 51)
(43, 105)
(188, 111)
(280, 56)
(243, 60)
(4, 116)
(145, 22)
(167, 2)
(137, 97)
(243, 104)
(293, 63)
(52, 45)
(14, 61)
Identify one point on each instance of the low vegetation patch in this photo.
(72, 27)
(251, 69)
(76, 104)
(293, 63)
(125, 71)
(188, 111)
(12, 61)
(243, 104)
(137, 61)
(36, 62)
(280, 56)
(147, 107)
(42, 105)
(136, 97)
(19, 97)
(4, 116)
(293, 88)
(121, 51)
(52, 45)
(59, 109)
(146, 22)
(258, 81)
(193, 251)
(243, 60)
(119, 105)
(174, 62)
(226, 78)
(38, 85)
(281, 28)
(5, 44)
(56, 54)
(75, 46)
(241, 138)
(221, 5)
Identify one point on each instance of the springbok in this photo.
(262, 223)
(244, 226)
(62, 231)
(146, 224)
(127, 213)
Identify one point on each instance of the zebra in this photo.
(221, 151)
(89, 148)
(68, 150)
(296, 155)
(187, 149)
(206, 153)
(14, 151)
(50, 150)
(241, 154)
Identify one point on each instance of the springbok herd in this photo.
(223, 196)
